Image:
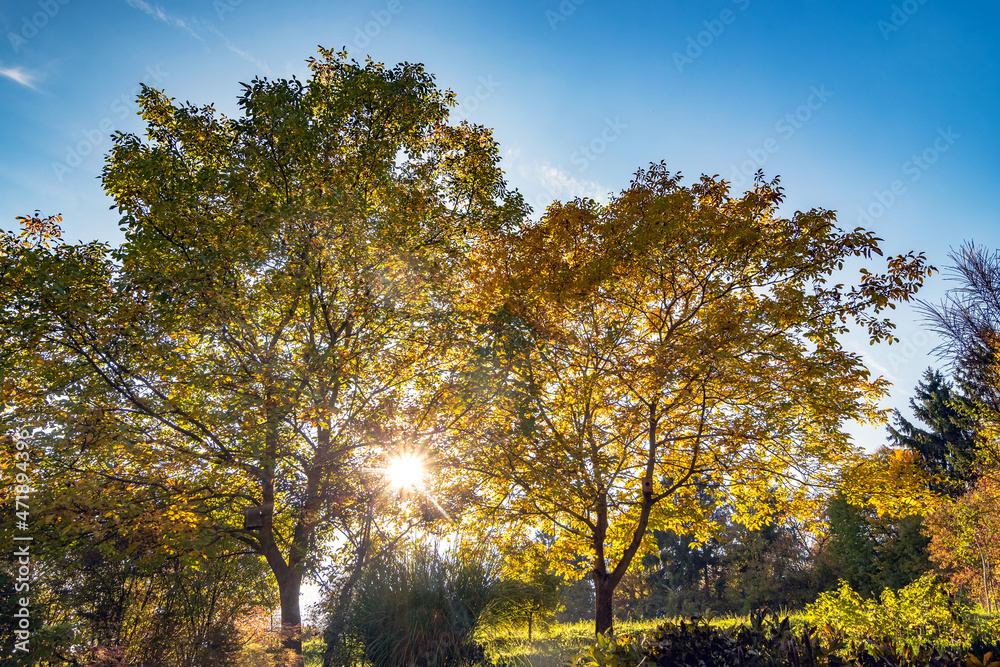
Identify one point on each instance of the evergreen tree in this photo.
(682, 578)
(873, 553)
(948, 446)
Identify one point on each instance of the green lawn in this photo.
(559, 642)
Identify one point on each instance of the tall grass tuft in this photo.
(423, 609)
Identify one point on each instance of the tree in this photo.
(968, 321)
(106, 587)
(683, 576)
(737, 571)
(875, 552)
(963, 541)
(949, 447)
(530, 588)
(963, 531)
(675, 339)
(274, 324)
(764, 567)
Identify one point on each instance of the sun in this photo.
(406, 472)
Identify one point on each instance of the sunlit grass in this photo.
(552, 645)
(312, 651)
(555, 644)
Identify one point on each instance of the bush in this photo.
(765, 642)
(916, 614)
(985, 634)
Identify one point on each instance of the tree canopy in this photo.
(963, 531)
(338, 276)
(948, 448)
(671, 350)
(277, 318)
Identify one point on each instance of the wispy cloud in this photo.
(557, 183)
(246, 55)
(193, 27)
(160, 14)
(541, 183)
(561, 182)
(19, 75)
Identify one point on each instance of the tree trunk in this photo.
(291, 621)
(986, 582)
(605, 582)
(604, 611)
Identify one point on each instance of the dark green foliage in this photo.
(694, 643)
(905, 557)
(740, 570)
(48, 632)
(576, 601)
(765, 567)
(118, 597)
(853, 546)
(683, 579)
(532, 599)
(948, 446)
(873, 553)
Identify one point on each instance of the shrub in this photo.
(604, 651)
(985, 634)
(916, 614)
(766, 641)
(693, 643)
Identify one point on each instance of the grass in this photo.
(554, 645)
(312, 651)
(551, 646)
(557, 643)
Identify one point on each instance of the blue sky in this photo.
(882, 110)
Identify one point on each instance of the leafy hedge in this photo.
(916, 615)
(765, 642)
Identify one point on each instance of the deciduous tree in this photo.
(963, 541)
(275, 322)
(677, 339)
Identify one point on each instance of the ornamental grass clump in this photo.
(424, 609)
